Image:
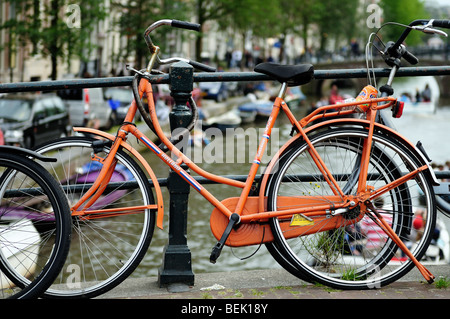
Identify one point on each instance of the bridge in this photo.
(329, 62)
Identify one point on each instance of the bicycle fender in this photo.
(128, 147)
(345, 121)
(26, 152)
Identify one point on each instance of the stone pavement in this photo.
(276, 284)
(272, 294)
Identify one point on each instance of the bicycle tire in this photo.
(274, 250)
(106, 251)
(35, 228)
(337, 258)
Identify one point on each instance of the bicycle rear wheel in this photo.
(357, 254)
(34, 227)
(106, 250)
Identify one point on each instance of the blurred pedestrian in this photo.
(426, 94)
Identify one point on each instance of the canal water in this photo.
(431, 129)
(228, 153)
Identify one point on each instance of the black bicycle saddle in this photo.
(293, 75)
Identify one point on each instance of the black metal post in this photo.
(177, 265)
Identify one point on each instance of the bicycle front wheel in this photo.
(104, 250)
(34, 227)
(356, 254)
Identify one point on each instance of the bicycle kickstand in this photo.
(217, 249)
(428, 276)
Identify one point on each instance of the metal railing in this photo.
(213, 77)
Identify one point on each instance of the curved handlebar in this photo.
(407, 31)
(202, 66)
(422, 25)
(411, 58)
(186, 25)
(154, 50)
(393, 54)
(152, 27)
(176, 24)
(397, 50)
(441, 24)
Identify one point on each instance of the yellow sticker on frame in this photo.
(301, 220)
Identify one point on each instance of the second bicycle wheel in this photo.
(34, 227)
(358, 254)
(104, 250)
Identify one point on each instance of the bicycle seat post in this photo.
(176, 267)
(282, 91)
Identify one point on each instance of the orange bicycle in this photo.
(337, 204)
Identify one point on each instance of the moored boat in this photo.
(230, 119)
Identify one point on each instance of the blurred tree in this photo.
(258, 16)
(402, 11)
(47, 27)
(138, 15)
(335, 18)
(296, 17)
(61, 37)
(80, 33)
(209, 10)
(22, 28)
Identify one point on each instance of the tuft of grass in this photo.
(282, 287)
(442, 283)
(207, 295)
(326, 288)
(257, 293)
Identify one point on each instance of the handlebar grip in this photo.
(411, 58)
(441, 24)
(185, 25)
(202, 66)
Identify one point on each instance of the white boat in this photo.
(247, 116)
(230, 119)
(20, 246)
(258, 107)
(419, 108)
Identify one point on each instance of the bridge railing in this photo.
(439, 53)
(213, 77)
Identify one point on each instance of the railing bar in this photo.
(163, 182)
(212, 77)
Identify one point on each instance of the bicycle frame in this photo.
(258, 214)
(254, 228)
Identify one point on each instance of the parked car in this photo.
(214, 90)
(31, 119)
(87, 107)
